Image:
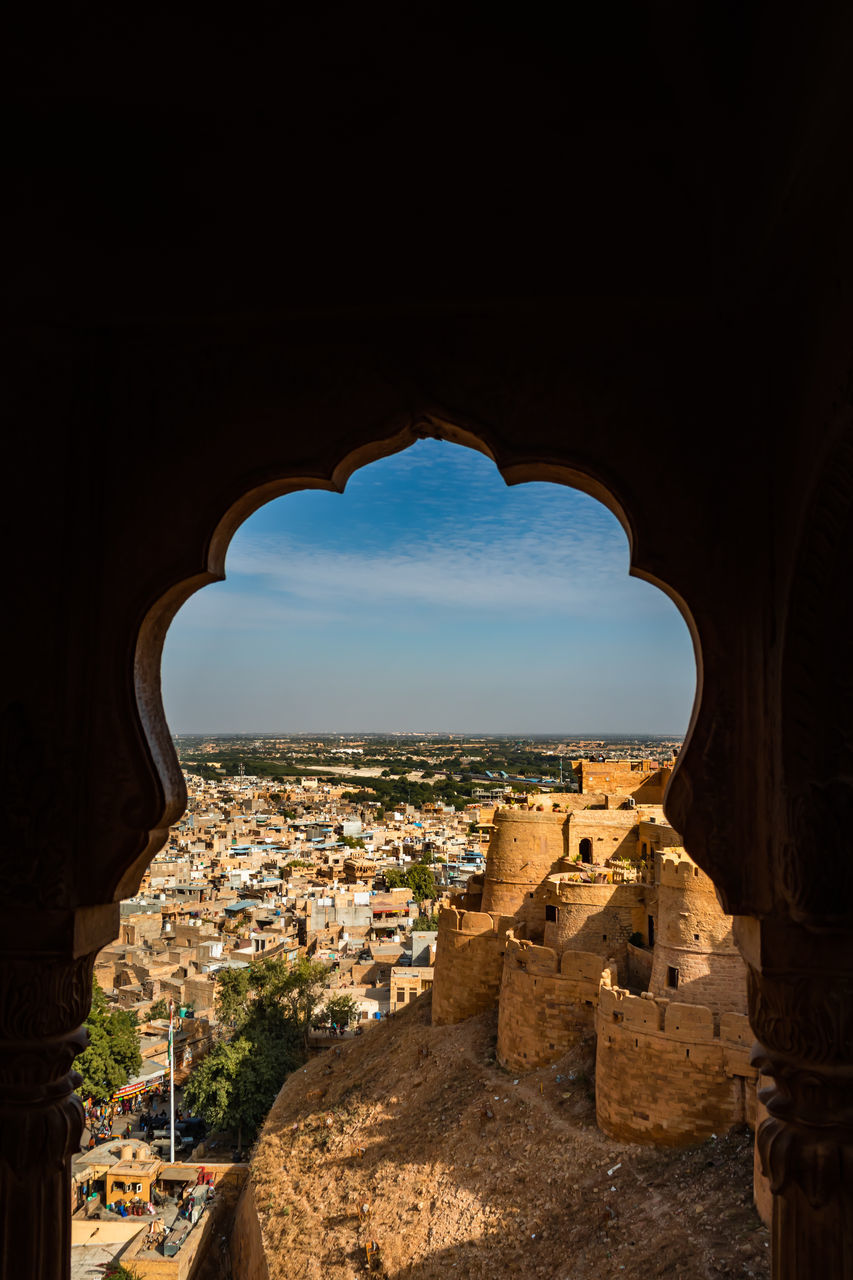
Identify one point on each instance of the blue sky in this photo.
(430, 596)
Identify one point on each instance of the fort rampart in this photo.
(665, 1075)
(695, 957)
(596, 918)
(641, 779)
(468, 963)
(547, 1002)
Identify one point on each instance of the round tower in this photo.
(525, 847)
(469, 960)
(695, 958)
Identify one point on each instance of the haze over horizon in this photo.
(430, 593)
(590, 734)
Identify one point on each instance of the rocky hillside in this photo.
(413, 1137)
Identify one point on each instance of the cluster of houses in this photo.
(253, 872)
(249, 873)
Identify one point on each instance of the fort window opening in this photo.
(671, 976)
(550, 912)
(586, 850)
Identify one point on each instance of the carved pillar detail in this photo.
(804, 1022)
(43, 1001)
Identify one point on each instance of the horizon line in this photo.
(415, 733)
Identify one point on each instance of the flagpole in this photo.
(172, 1082)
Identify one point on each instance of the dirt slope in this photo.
(467, 1170)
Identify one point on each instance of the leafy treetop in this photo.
(112, 1054)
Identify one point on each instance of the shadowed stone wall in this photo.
(664, 1075)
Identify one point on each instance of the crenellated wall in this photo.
(469, 961)
(695, 957)
(665, 1075)
(596, 918)
(547, 1002)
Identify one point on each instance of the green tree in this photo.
(112, 1054)
(421, 882)
(231, 996)
(395, 879)
(159, 1009)
(268, 1008)
(121, 1271)
(291, 992)
(341, 1010)
(236, 1083)
(425, 923)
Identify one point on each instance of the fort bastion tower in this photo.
(530, 843)
(525, 846)
(695, 960)
(594, 921)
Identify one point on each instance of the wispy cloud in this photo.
(504, 571)
(429, 579)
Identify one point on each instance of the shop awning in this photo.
(151, 1077)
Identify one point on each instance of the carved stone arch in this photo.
(512, 467)
(217, 430)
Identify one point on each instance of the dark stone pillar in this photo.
(803, 1017)
(45, 995)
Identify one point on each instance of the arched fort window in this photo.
(586, 850)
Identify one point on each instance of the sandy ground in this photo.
(414, 1138)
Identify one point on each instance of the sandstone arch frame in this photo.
(152, 633)
(727, 795)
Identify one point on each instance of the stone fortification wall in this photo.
(597, 918)
(547, 1002)
(524, 848)
(655, 833)
(639, 967)
(246, 1246)
(695, 958)
(612, 833)
(665, 1075)
(549, 802)
(469, 961)
(469, 897)
(653, 789)
(624, 777)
